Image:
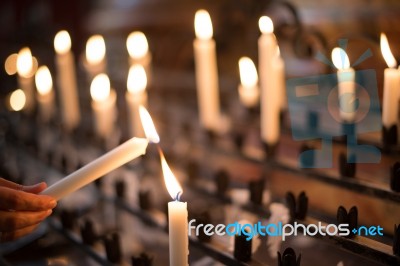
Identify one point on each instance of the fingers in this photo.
(11, 199)
(10, 236)
(37, 188)
(12, 221)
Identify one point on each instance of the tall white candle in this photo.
(25, 77)
(95, 61)
(270, 105)
(278, 67)
(177, 219)
(347, 91)
(45, 96)
(122, 154)
(135, 96)
(391, 86)
(103, 105)
(66, 80)
(206, 72)
(248, 89)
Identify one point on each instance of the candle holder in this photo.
(222, 182)
(113, 247)
(350, 218)
(288, 258)
(256, 191)
(142, 260)
(347, 169)
(297, 209)
(203, 218)
(68, 219)
(389, 137)
(145, 202)
(396, 240)
(120, 188)
(88, 233)
(270, 150)
(395, 177)
(242, 248)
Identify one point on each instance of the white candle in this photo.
(103, 105)
(206, 72)
(248, 89)
(122, 154)
(391, 86)
(177, 219)
(95, 61)
(25, 74)
(135, 96)
(347, 90)
(45, 96)
(278, 68)
(66, 79)
(270, 105)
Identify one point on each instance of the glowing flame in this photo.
(148, 125)
(203, 25)
(266, 25)
(386, 52)
(173, 186)
(10, 65)
(100, 88)
(62, 42)
(95, 49)
(137, 79)
(43, 80)
(340, 58)
(17, 100)
(248, 72)
(25, 62)
(137, 44)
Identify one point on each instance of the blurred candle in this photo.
(206, 71)
(66, 80)
(95, 62)
(25, 77)
(17, 100)
(278, 66)
(103, 105)
(45, 96)
(135, 96)
(391, 86)
(270, 101)
(138, 49)
(347, 91)
(248, 89)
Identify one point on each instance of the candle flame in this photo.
(100, 87)
(17, 100)
(25, 62)
(43, 80)
(172, 184)
(340, 58)
(95, 49)
(62, 42)
(148, 125)
(248, 72)
(386, 52)
(203, 25)
(266, 25)
(137, 79)
(10, 65)
(137, 45)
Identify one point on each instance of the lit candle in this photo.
(95, 62)
(45, 96)
(278, 67)
(347, 90)
(25, 74)
(17, 100)
(135, 96)
(66, 79)
(270, 101)
(103, 105)
(206, 71)
(391, 87)
(120, 155)
(138, 49)
(248, 89)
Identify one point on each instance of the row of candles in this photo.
(271, 67)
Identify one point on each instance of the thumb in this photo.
(35, 189)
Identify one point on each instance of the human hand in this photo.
(21, 209)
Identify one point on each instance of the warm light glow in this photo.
(17, 100)
(62, 42)
(137, 44)
(386, 52)
(173, 186)
(203, 25)
(248, 72)
(10, 65)
(340, 58)
(137, 79)
(95, 49)
(148, 125)
(100, 88)
(266, 25)
(25, 62)
(44, 83)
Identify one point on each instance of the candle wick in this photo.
(178, 196)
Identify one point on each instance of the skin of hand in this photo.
(22, 209)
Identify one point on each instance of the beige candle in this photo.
(25, 77)
(45, 95)
(248, 89)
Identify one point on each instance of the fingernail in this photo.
(52, 204)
